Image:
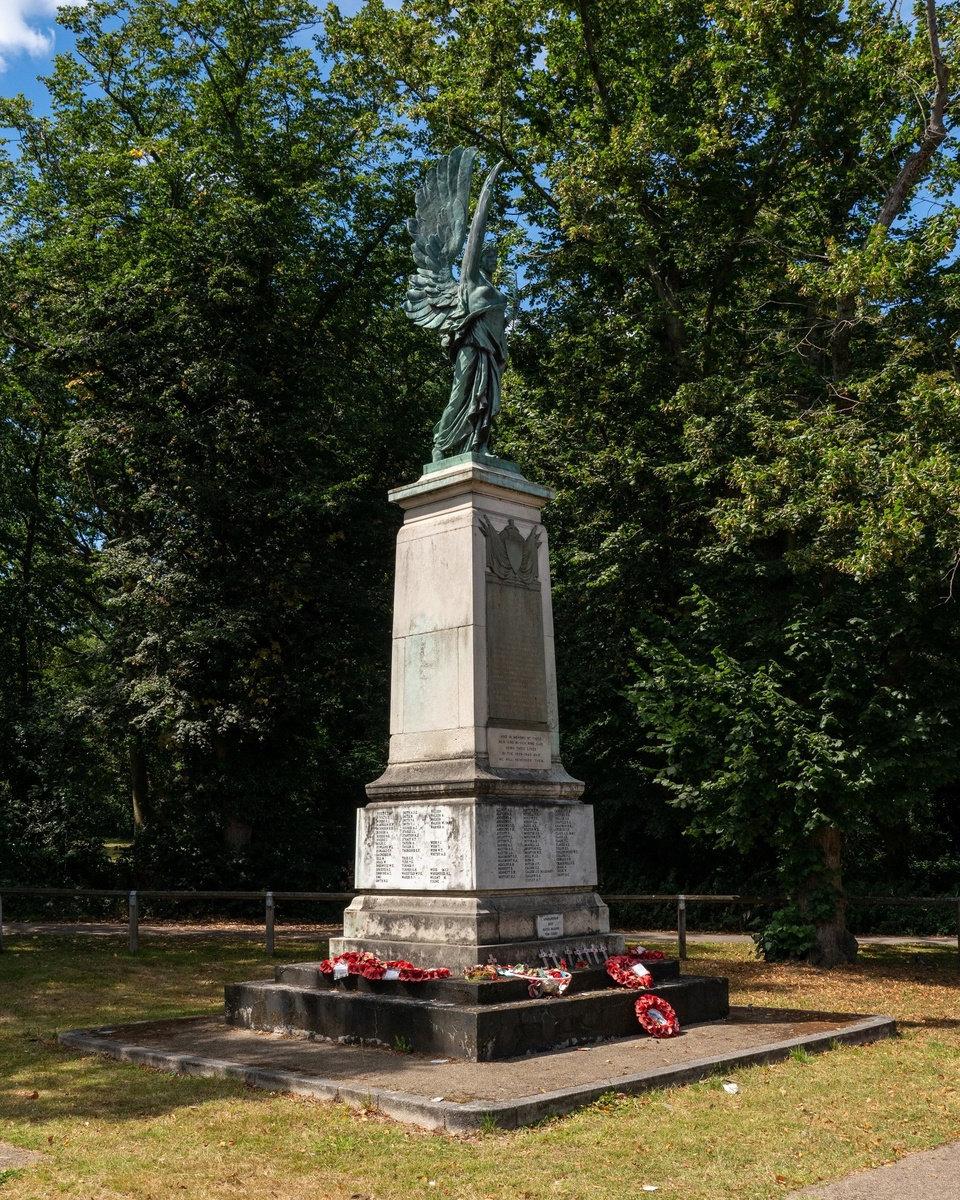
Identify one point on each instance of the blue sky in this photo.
(30, 36)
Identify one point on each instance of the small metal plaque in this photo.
(550, 925)
(519, 749)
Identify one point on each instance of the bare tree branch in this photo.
(933, 135)
(911, 172)
(599, 82)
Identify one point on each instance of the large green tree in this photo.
(200, 257)
(737, 361)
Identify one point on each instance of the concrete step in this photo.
(457, 991)
(480, 1031)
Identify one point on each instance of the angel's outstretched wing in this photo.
(439, 232)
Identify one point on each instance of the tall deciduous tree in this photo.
(200, 260)
(738, 362)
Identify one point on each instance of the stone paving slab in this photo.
(460, 1096)
(12, 1157)
(928, 1175)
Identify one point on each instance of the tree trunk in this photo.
(237, 834)
(139, 783)
(835, 943)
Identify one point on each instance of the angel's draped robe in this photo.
(479, 352)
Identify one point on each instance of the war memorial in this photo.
(475, 847)
(476, 932)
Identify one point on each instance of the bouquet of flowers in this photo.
(541, 981)
(482, 971)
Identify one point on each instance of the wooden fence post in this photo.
(134, 921)
(682, 927)
(270, 911)
(958, 926)
(1, 923)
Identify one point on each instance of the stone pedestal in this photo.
(479, 1022)
(475, 843)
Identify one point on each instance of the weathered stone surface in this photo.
(479, 1031)
(473, 642)
(457, 1095)
(475, 835)
(464, 845)
(454, 930)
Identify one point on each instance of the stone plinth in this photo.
(473, 691)
(479, 1022)
(460, 845)
(475, 842)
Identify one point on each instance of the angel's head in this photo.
(488, 259)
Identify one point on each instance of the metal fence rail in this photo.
(683, 899)
(269, 900)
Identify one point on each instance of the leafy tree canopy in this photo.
(207, 390)
(738, 360)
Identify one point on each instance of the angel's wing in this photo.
(439, 232)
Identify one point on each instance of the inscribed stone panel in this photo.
(516, 668)
(535, 846)
(415, 847)
(519, 749)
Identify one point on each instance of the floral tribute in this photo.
(657, 1016)
(629, 971)
(541, 981)
(362, 962)
(481, 972)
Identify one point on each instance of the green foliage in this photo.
(789, 935)
(745, 393)
(195, 267)
(743, 387)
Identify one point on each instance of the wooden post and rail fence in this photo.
(269, 900)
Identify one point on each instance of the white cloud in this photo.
(26, 27)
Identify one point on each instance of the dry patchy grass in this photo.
(110, 1130)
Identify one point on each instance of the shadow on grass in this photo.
(929, 1023)
(73, 1086)
(48, 984)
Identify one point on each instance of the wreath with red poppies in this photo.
(628, 970)
(656, 1016)
(364, 963)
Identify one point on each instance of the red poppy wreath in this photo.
(628, 970)
(370, 967)
(656, 1016)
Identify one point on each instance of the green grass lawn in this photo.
(109, 1130)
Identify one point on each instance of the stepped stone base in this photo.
(456, 931)
(479, 1022)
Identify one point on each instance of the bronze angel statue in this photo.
(469, 311)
